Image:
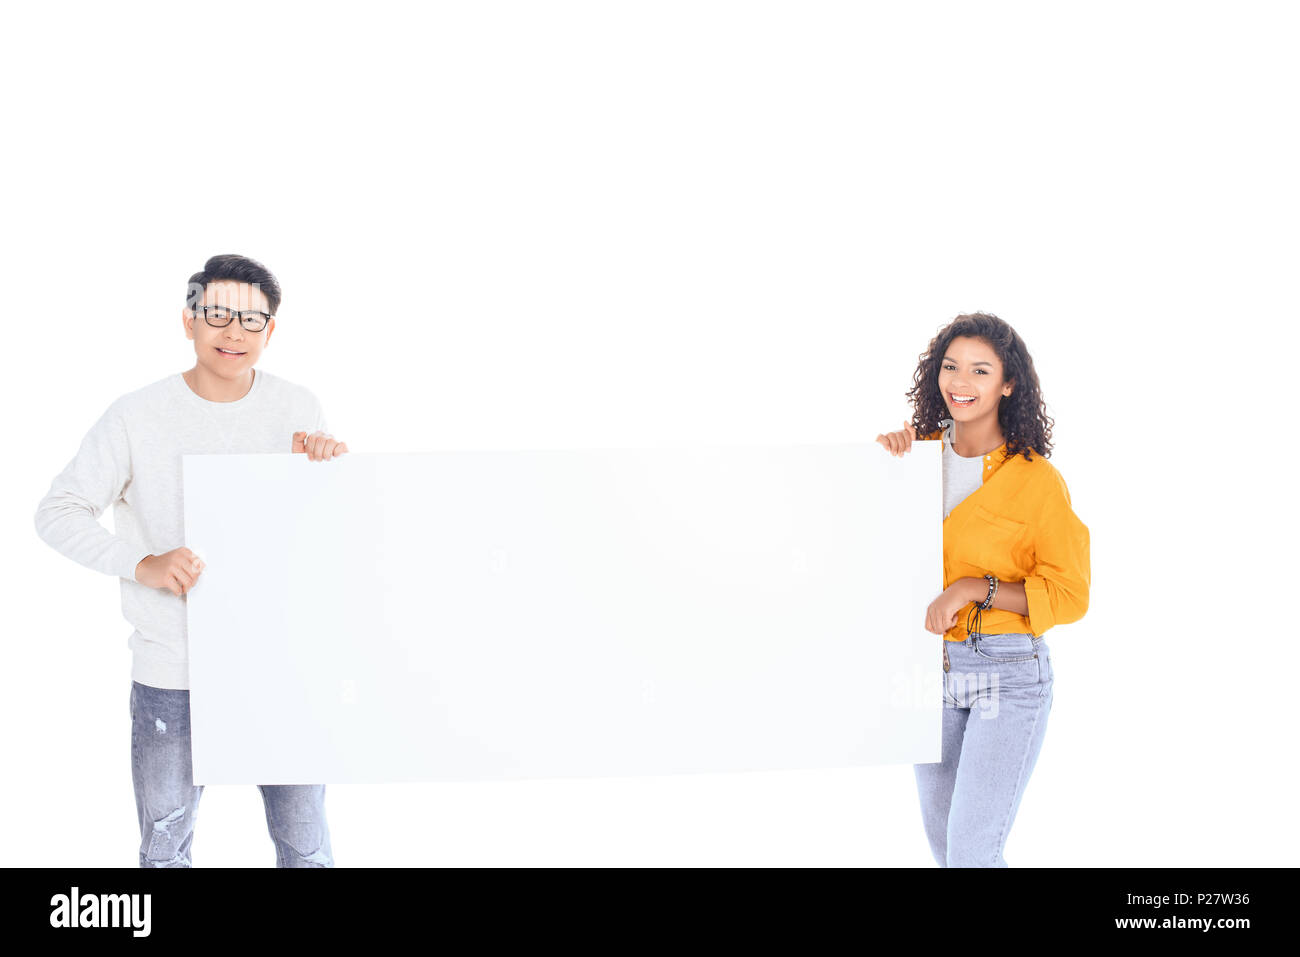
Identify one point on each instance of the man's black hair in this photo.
(240, 269)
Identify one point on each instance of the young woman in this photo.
(1015, 563)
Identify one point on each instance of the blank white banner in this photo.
(487, 615)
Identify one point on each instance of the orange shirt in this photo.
(1019, 525)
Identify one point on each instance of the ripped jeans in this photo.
(167, 800)
(997, 694)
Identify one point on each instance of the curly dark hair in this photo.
(1022, 415)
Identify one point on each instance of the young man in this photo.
(131, 459)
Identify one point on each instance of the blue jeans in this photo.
(997, 695)
(167, 801)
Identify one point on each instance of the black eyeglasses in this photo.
(219, 317)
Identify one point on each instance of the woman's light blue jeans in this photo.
(997, 693)
(167, 801)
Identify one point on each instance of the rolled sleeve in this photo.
(1057, 591)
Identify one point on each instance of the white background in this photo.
(616, 224)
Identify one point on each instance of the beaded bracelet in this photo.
(993, 591)
(973, 621)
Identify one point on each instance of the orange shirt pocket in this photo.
(996, 544)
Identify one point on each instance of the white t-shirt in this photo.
(131, 459)
(961, 475)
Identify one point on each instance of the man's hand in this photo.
(176, 571)
(942, 613)
(319, 446)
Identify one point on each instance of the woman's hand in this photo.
(942, 613)
(898, 442)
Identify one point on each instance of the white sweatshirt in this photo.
(131, 459)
